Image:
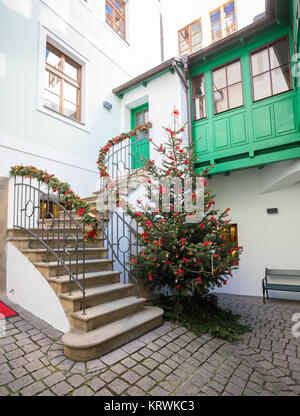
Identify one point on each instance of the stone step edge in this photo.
(80, 340)
(95, 312)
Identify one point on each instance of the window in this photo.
(232, 236)
(271, 69)
(199, 100)
(190, 38)
(223, 21)
(62, 91)
(227, 86)
(115, 16)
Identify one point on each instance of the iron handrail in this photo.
(26, 194)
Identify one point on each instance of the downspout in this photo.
(185, 82)
(162, 47)
(185, 61)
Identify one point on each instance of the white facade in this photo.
(269, 240)
(177, 15)
(77, 28)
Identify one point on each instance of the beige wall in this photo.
(3, 231)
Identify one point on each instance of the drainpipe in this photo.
(185, 61)
(185, 82)
(162, 48)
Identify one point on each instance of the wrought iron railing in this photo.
(45, 219)
(124, 165)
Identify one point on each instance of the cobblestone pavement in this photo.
(167, 361)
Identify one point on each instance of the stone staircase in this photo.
(114, 316)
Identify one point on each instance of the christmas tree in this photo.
(179, 257)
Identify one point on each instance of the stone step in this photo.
(50, 232)
(95, 296)
(51, 269)
(60, 284)
(43, 255)
(84, 346)
(23, 242)
(106, 313)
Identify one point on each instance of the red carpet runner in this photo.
(6, 312)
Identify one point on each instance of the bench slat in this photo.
(283, 273)
(289, 288)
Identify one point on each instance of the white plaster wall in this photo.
(29, 289)
(178, 14)
(271, 241)
(109, 61)
(163, 95)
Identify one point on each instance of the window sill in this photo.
(65, 119)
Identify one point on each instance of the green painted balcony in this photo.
(256, 132)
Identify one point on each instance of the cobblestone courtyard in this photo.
(167, 361)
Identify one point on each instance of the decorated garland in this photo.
(106, 149)
(67, 197)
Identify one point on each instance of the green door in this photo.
(139, 144)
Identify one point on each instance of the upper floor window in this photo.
(190, 38)
(223, 21)
(115, 16)
(271, 69)
(199, 100)
(62, 91)
(227, 86)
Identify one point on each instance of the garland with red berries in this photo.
(112, 142)
(66, 196)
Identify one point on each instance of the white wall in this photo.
(177, 14)
(108, 62)
(29, 289)
(271, 241)
(163, 95)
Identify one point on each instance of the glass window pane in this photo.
(70, 93)
(71, 70)
(119, 24)
(262, 86)
(196, 28)
(235, 95)
(229, 8)
(52, 83)
(260, 62)
(196, 39)
(279, 53)
(199, 98)
(220, 101)
(51, 100)
(108, 14)
(120, 5)
(200, 108)
(214, 17)
(234, 73)
(146, 116)
(53, 59)
(281, 79)
(196, 47)
(216, 31)
(70, 109)
(219, 78)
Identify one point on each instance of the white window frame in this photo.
(47, 35)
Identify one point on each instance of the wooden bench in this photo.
(274, 274)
